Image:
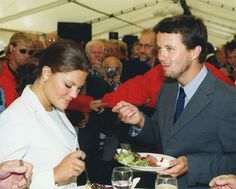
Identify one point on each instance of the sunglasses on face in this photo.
(24, 51)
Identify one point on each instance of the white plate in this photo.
(86, 187)
(162, 165)
(80, 187)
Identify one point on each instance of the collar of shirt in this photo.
(192, 87)
(94, 72)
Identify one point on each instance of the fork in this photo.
(87, 178)
(86, 174)
(22, 163)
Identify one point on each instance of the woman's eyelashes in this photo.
(68, 86)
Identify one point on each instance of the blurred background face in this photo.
(232, 57)
(107, 49)
(95, 55)
(147, 47)
(220, 55)
(135, 51)
(114, 50)
(112, 63)
(21, 53)
(111, 71)
(51, 38)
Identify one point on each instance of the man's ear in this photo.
(46, 73)
(196, 52)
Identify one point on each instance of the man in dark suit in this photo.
(195, 124)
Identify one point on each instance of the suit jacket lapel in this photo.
(171, 107)
(166, 107)
(196, 104)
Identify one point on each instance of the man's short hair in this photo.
(192, 30)
(230, 46)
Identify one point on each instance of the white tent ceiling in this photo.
(122, 16)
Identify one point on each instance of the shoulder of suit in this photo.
(221, 85)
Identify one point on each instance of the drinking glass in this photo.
(122, 177)
(166, 182)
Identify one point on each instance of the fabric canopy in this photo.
(127, 17)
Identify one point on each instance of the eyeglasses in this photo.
(145, 46)
(24, 51)
(51, 40)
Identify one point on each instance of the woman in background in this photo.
(35, 128)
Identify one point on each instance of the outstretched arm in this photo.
(138, 90)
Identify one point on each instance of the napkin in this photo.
(135, 182)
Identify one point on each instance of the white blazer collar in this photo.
(33, 103)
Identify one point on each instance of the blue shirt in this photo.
(2, 101)
(67, 133)
(192, 86)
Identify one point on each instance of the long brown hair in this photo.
(62, 56)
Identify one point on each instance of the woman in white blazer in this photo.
(35, 128)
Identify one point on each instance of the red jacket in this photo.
(7, 81)
(81, 103)
(138, 89)
(142, 89)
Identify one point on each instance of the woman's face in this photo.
(60, 88)
(21, 53)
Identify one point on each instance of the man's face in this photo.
(232, 57)
(147, 47)
(95, 56)
(174, 57)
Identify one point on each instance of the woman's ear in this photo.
(46, 73)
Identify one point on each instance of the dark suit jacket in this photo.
(205, 131)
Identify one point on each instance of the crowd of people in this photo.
(70, 103)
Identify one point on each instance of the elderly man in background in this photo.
(146, 60)
(147, 48)
(95, 51)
